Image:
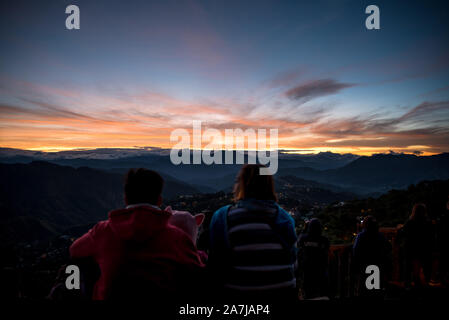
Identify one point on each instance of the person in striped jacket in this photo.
(252, 252)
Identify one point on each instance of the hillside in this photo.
(40, 199)
(206, 178)
(379, 173)
(390, 209)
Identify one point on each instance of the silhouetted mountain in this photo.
(379, 173)
(41, 199)
(207, 178)
(362, 175)
(320, 161)
(310, 192)
(130, 157)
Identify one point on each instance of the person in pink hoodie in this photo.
(138, 251)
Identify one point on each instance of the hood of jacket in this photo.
(138, 223)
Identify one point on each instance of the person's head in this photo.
(251, 184)
(143, 186)
(314, 227)
(370, 224)
(419, 212)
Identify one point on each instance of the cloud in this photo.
(425, 109)
(47, 111)
(316, 88)
(375, 124)
(54, 118)
(51, 110)
(285, 78)
(425, 125)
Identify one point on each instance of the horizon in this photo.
(283, 150)
(133, 74)
(150, 149)
(315, 151)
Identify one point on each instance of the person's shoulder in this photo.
(174, 236)
(223, 209)
(284, 215)
(302, 235)
(220, 212)
(359, 237)
(219, 217)
(99, 227)
(302, 238)
(175, 232)
(281, 210)
(102, 224)
(179, 242)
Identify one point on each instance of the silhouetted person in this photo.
(418, 235)
(313, 258)
(443, 228)
(252, 243)
(371, 248)
(139, 254)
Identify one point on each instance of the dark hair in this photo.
(314, 227)
(419, 212)
(143, 186)
(251, 184)
(370, 224)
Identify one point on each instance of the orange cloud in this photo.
(82, 119)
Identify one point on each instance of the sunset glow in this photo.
(133, 74)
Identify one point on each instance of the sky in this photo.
(137, 70)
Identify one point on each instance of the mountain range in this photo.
(41, 199)
(42, 194)
(364, 175)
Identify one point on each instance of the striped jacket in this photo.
(253, 248)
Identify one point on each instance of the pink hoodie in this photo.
(135, 237)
